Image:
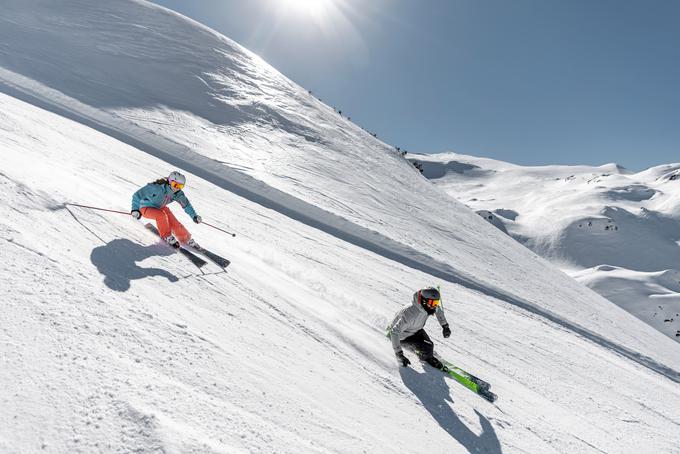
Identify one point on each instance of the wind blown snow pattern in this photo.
(616, 231)
(111, 343)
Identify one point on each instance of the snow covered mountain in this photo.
(110, 343)
(616, 231)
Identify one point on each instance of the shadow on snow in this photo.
(432, 389)
(117, 259)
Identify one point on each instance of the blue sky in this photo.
(527, 81)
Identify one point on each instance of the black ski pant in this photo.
(424, 347)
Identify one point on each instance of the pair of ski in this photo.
(468, 380)
(195, 259)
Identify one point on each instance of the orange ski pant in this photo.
(167, 223)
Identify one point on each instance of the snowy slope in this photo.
(110, 344)
(115, 66)
(616, 231)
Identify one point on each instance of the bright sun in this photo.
(316, 9)
(327, 21)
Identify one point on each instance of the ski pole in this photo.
(217, 228)
(97, 208)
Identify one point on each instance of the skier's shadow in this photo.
(117, 262)
(432, 389)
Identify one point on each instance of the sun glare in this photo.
(319, 23)
(315, 9)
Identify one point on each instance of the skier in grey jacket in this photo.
(407, 327)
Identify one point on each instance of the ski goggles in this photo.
(176, 185)
(429, 302)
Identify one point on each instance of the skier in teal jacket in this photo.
(151, 202)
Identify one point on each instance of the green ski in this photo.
(468, 380)
(474, 384)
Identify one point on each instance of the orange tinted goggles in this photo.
(176, 185)
(431, 303)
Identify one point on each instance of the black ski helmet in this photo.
(429, 298)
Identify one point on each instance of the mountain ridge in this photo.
(589, 221)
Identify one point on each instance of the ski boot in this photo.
(172, 241)
(434, 362)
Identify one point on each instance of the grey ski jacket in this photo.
(409, 320)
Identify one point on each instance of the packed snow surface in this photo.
(616, 231)
(110, 342)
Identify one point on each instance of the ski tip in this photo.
(488, 395)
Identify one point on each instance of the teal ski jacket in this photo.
(158, 196)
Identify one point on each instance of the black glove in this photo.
(446, 331)
(136, 214)
(198, 219)
(403, 361)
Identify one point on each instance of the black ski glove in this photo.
(446, 331)
(135, 214)
(198, 219)
(403, 361)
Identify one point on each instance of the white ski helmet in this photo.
(177, 177)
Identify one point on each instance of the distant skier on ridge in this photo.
(151, 202)
(407, 327)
